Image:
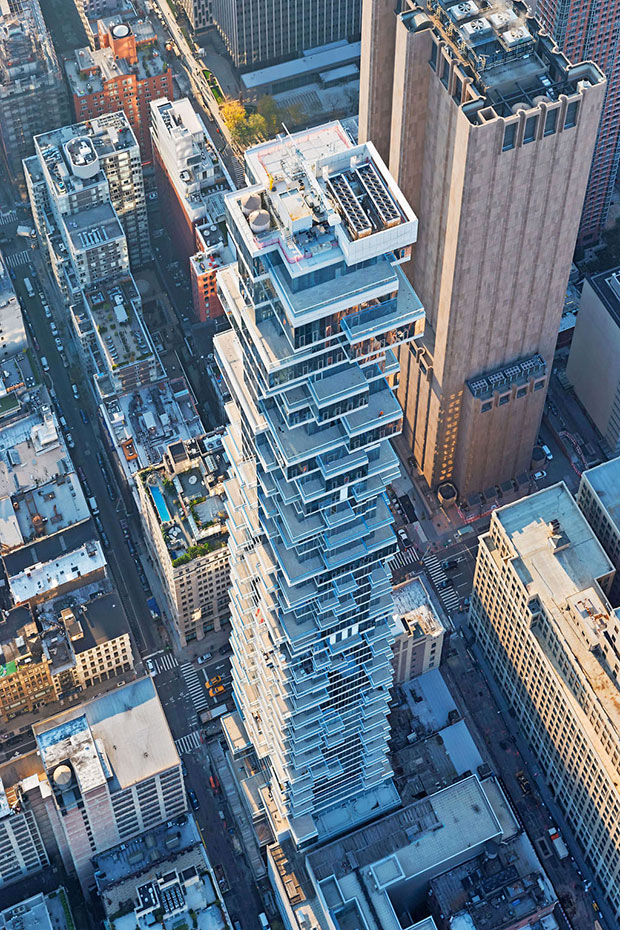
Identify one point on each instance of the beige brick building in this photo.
(62, 652)
(418, 631)
(541, 614)
(183, 513)
(489, 131)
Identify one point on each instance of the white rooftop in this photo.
(32, 452)
(128, 723)
(44, 577)
(412, 604)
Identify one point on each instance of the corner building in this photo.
(318, 304)
(541, 614)
(489, 131)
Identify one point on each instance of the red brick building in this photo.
(125, 73)
(212, 253)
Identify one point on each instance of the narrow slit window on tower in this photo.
(571, 115)
(510, 132)
(551, 121)
(530, 129)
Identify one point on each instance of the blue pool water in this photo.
(160, 503)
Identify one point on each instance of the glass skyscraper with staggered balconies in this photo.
(318, 303)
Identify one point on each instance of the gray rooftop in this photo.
(132, 726)
(604, 480)
(93, 227)
(554, 574)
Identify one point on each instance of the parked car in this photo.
(54, 328)
(75, 390)
(539, 475)
(204, 658)
(193, 800)
(70, 441)
(48, 312)
(84, 416)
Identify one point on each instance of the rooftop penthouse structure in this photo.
(318, 304)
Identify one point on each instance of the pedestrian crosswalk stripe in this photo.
(165, 663)
(195, 687)
(17, 259)
(6, 218)
(404, 557)
(189, 742)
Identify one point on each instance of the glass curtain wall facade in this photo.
(318, 304)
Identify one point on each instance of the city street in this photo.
(87, 442)
(176, 688)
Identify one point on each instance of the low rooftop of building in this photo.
(604, 479)
(93, 227)
(505, 886)
(359, 874)
(186, 493)
(504, 51)
(115, 315)
(32, 452)
(93, 739)
(413, 609)
(43, 578)
(214, 251)
(40, 912)
(145, 422)
(90, 70)
(48, 548)
(92, 615)
(311, 62)
(318, 200)
(133, 861)
(159, 878)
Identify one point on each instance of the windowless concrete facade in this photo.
(489, 131)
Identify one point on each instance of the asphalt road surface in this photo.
(88, 443)
(213, 816)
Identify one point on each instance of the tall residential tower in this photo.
(489, 132)
(33, 97)
(318, 303)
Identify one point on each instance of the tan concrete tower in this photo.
(491, 132)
